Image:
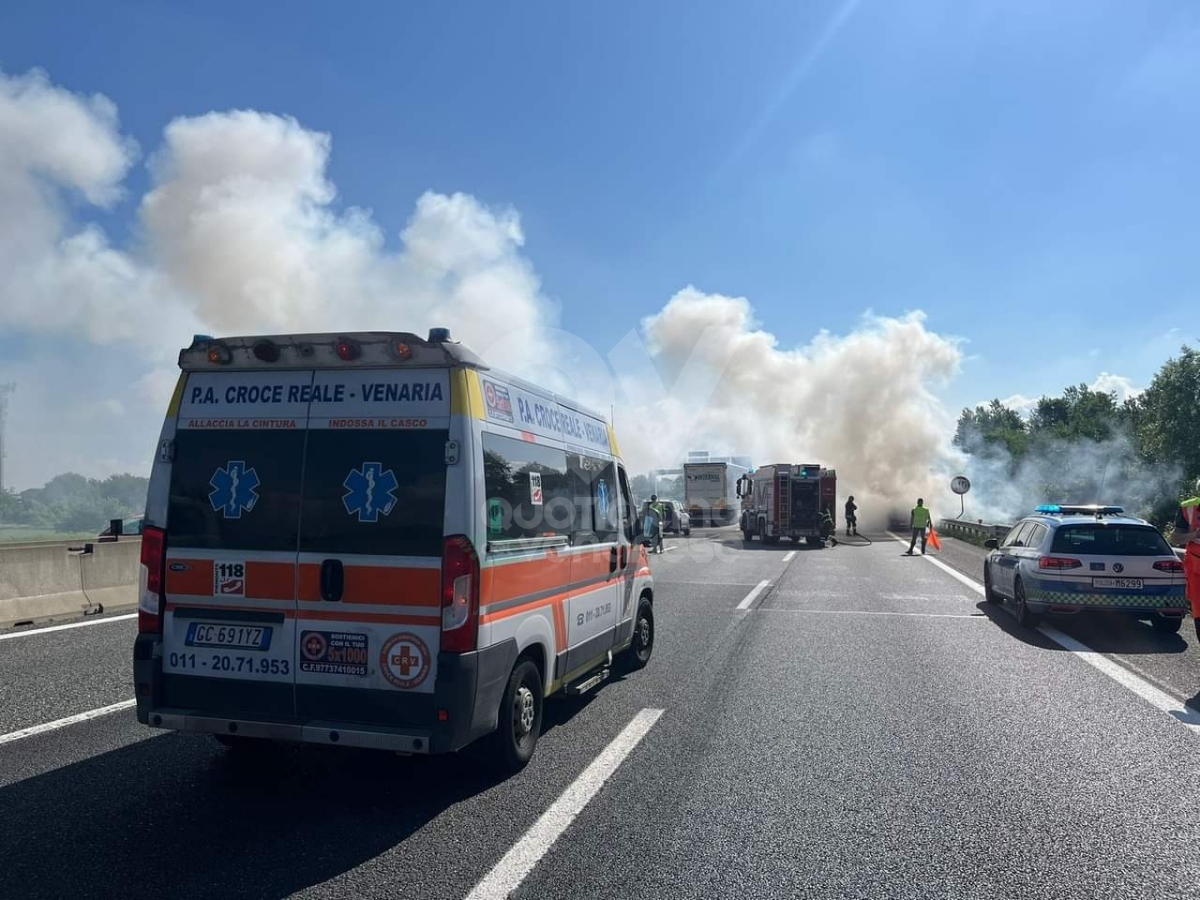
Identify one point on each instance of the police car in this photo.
(1068, 559)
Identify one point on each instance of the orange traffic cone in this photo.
(933, 539)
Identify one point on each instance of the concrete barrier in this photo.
(59, 580)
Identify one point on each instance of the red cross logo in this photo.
(406, 661)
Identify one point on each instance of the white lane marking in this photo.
(672, 582)
(1118, 673)
(1157, 698)
(519, 861)
(867, 612)
(791, 554)
(753, 595)
(63, 723)
(965, 579)
(16, 634)
(668, 549)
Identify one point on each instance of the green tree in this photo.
(988, 429)
(1166, 416)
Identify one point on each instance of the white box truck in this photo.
(711, 494)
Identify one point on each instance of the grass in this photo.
(14, 534)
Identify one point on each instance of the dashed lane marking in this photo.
(753, 595)
(32, 631)
(519, 861)
(791, 554)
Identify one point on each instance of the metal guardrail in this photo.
(975, 530)
(978, 532)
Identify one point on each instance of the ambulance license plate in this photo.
(239, 637)
(1125, 584)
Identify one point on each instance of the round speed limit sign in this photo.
(960, 484)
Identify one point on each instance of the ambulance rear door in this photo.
(232, 530)
(371, 546)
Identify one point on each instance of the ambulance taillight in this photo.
(150, 580)
(460, 595)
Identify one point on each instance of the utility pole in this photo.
(5, 390)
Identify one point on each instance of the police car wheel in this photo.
(1168, 625)
(639, 652)
(520, 721)
(1025, 617)
(989, 593)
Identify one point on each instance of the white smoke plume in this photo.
(861, 403)
(241, 231)
(1057, 471)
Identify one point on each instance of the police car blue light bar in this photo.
(1053, 509)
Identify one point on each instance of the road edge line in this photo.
(1131, 681)
(513, 868)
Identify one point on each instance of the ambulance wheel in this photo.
(639, 651)
(512, 744)
(1168, 624)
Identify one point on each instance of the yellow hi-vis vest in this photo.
(920, 517)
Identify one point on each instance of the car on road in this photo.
(677, 520)
(130, 527)
(1064, 560)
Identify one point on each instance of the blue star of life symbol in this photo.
(602, 498)
(370, 492)
(234, 489)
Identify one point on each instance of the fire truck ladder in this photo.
(785, 501)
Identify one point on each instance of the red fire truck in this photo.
(785, 500)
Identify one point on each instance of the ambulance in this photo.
(375, 540)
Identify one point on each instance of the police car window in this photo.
(530, 491)
(1014, 534)
(1036, 535)
(1110, 540)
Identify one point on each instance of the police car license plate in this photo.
(1128, 584)
(239, 637)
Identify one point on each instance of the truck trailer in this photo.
(792, 501)
(711, 492)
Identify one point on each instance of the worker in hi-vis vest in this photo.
(919, 521)
(1187, 535)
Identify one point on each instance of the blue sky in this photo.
(1024, 174)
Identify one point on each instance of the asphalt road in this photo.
(867, 727)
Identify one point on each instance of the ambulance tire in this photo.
(510, 747)
(639, 652)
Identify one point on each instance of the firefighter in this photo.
(919, 521)
(851, 517)
(1187, 535)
